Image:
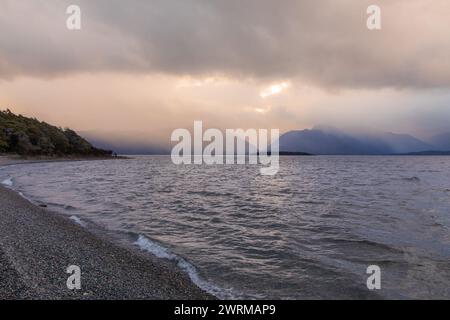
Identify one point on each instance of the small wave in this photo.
(414, 178)
(8, 182)
(77, 221)
(156, 249)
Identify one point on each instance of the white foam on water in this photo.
(161, 252)
(154, 248)
(8, 182)
(77, 221)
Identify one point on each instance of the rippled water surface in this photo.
(308, 232)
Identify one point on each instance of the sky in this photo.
(149, 67)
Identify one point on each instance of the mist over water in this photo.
(308, 232)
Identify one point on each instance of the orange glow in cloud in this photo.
(274, 89)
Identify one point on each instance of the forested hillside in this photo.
(31, 137)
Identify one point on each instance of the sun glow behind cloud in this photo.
(261, 110)
(274, 89)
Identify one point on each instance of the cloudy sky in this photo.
(152, 66)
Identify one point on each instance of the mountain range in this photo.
(29, 136)
(333, 141)
(318, 140)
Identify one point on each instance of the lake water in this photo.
(310, 231)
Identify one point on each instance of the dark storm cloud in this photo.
(323, 42)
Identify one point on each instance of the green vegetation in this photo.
(31, 137)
